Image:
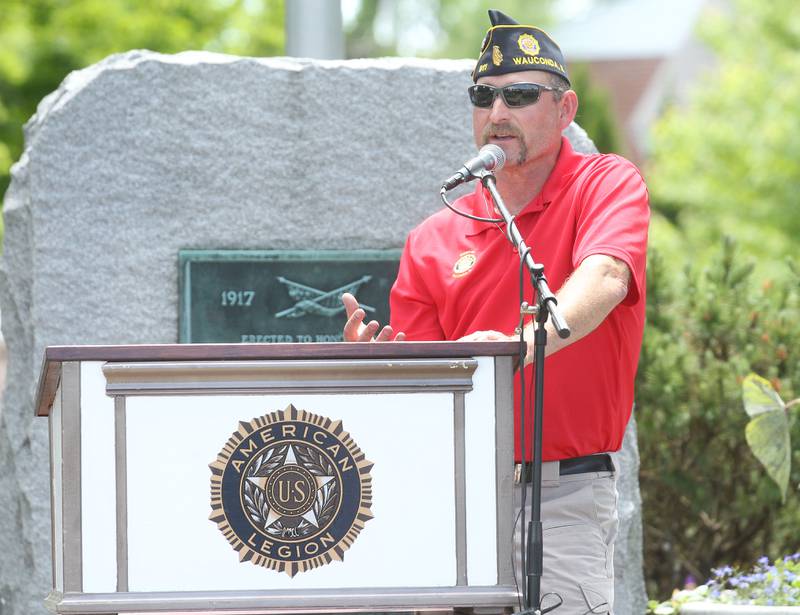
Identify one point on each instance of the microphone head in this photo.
(493, 156)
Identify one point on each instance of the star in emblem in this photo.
(291, 467)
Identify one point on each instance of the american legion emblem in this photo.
(291, 491)
(528, 44)
(466, 261)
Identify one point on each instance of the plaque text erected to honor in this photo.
(279, 296)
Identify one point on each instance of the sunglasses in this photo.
(514, 94)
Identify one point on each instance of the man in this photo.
(585, 219)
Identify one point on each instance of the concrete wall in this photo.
(142, 155)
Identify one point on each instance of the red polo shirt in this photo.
(458, 276)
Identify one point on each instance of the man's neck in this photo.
(519, 184)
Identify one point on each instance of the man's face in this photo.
(524, 133)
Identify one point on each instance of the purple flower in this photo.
(721, 572)
(765, 582)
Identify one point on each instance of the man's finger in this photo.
(368, 332)
(353, 327)
(350, 303)
(385, 335)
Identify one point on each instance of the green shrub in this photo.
(706, 499)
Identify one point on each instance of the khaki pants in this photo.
(579, 523)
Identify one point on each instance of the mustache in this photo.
(504, 129)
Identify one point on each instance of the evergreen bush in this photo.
(706, 499)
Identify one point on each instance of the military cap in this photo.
(510, 47)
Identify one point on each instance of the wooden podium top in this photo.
(54, 356)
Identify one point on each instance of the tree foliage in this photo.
(594, 112)
(728, 163)
(43, 40)
(465, 22)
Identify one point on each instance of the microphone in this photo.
(489, 158)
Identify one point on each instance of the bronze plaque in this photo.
(279, 296)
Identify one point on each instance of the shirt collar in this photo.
(480, 202)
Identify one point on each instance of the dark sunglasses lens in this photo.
(521, 94)
(481, 95)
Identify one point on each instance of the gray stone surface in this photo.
(3, 362)
(142, 155)
(629, 588)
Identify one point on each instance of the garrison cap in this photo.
(509, 47)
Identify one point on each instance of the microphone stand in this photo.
(546, 305)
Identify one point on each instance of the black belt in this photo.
(580, 465)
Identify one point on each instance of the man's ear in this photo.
(568, 107)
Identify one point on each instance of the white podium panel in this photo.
(409, 542)
(98, 484)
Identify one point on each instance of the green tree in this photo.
(727, 164)
(360, 36)
(465, 22)
(43, 40)
(594, 111)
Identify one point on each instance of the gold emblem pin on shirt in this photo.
(466, 261)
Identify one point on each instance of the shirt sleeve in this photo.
(614, 219)
(413, 309)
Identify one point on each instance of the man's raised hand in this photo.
(355, 330)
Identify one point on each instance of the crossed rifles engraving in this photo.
(315, 301)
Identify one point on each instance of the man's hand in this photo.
(595, 288)
(356, 331)
(488, 336)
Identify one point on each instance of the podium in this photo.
(278, 478)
